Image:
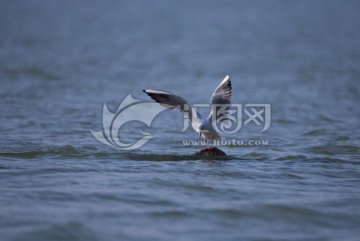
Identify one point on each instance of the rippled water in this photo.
(61, 60)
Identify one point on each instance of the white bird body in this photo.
(206, 130)
(203, 126)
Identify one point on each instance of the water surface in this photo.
(61, 60)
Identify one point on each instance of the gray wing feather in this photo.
(222, 93)
(221, 96)
(172, 101)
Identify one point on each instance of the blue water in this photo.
(61, 60)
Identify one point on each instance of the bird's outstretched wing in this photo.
(221, 96)
(222, 93)
(172, 101)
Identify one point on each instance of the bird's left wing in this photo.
(172, 101)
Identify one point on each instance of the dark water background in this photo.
(61, 60)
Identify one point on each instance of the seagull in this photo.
(203, 126)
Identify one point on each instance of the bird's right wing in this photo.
(222, 93)
(221, 97)
(172, 101)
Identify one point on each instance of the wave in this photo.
(63, 150)
(69, 151)
(320, 153)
